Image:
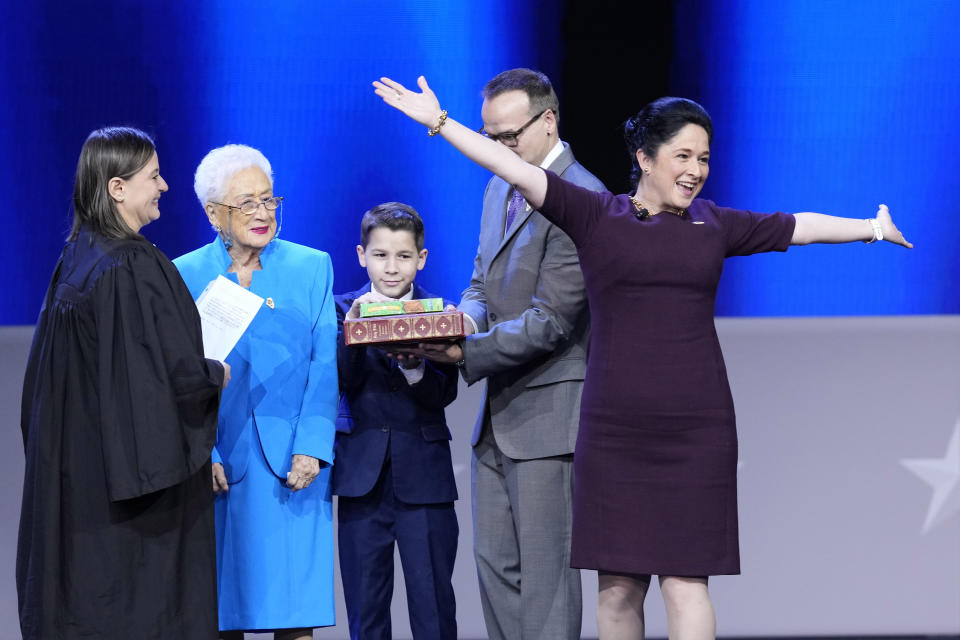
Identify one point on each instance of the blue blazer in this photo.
(380, 414)
(281, 400)
(282, 393)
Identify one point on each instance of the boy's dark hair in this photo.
(395, 216)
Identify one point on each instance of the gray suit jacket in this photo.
(527, 297)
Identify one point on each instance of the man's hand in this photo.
(448, 352)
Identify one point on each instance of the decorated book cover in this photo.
(412, 327)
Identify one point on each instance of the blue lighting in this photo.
(835, 108)
(292, 79)
(817, 106)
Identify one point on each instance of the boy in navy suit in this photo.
(393, 473)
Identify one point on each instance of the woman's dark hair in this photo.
(395, 216)
(657, 123)
(111, 152)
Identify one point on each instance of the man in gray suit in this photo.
(527, 302)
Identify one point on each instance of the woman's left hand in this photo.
(303, 469)
(889, 230)
(422, 107)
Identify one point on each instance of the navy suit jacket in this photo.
(380, 414)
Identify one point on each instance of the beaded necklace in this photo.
(643, 212)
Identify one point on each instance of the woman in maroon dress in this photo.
(655, 461)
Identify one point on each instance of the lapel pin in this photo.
(270, 303)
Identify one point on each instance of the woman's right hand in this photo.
(226, 375)
(422, 107)
(219, 479)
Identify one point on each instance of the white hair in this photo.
(220, 165)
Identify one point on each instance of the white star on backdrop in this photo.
(943, 474)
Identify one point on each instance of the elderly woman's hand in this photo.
(219, 479)
(303, 469)
(890, 231)
(226, 375)
(422, 107)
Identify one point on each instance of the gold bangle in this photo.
(443, 121)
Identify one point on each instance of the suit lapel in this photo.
(518, 222)
(491, 230)
(558, 166)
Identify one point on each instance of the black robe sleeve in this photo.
(158, 395)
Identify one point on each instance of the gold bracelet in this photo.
(443, 121)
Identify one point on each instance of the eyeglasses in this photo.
(510, 138)
(250, 207)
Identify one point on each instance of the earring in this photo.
(646, 170)
(218, 227)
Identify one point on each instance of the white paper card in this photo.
(226, 310)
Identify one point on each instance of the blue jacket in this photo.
(380, 414)
(282, 391)
(282, 398)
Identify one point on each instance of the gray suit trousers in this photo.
(524, 508)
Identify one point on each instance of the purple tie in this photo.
(517, 204)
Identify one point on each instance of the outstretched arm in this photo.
(424, 108)
(816, 227)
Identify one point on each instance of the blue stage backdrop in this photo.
(832, 107)
(817, 106)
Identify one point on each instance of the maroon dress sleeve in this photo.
(749, 232)
(574, 209)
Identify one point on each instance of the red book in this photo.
(412, 327)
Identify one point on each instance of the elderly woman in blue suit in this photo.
(271, 464)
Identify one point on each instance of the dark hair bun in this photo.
(659, 122)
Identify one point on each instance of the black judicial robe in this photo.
(119, 417)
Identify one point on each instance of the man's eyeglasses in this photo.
(250, 207)
(510, 138)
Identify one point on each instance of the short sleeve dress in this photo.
(656, 454)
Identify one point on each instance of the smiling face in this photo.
(676, 175)
(247, 233)
(137, 198)
(392, 260)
